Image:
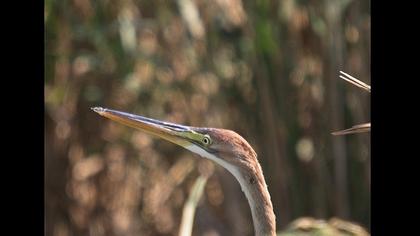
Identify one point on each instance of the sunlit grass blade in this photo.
(190, 206)
(355, 129)
(354, 81)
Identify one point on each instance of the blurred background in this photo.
(266, 69)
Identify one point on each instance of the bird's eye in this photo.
(206, 140)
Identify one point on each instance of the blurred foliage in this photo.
(307, 226)
(266, 69)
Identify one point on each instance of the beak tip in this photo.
(98, 109)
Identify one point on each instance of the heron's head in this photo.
(222, 146)
(225, 147)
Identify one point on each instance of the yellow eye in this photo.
(206, 140)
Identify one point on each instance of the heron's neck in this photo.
(255, 189)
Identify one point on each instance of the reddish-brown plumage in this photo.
(234, 149)
(229, 141)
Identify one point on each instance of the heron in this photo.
(225, 147)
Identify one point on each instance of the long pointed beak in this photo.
(172, 132)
